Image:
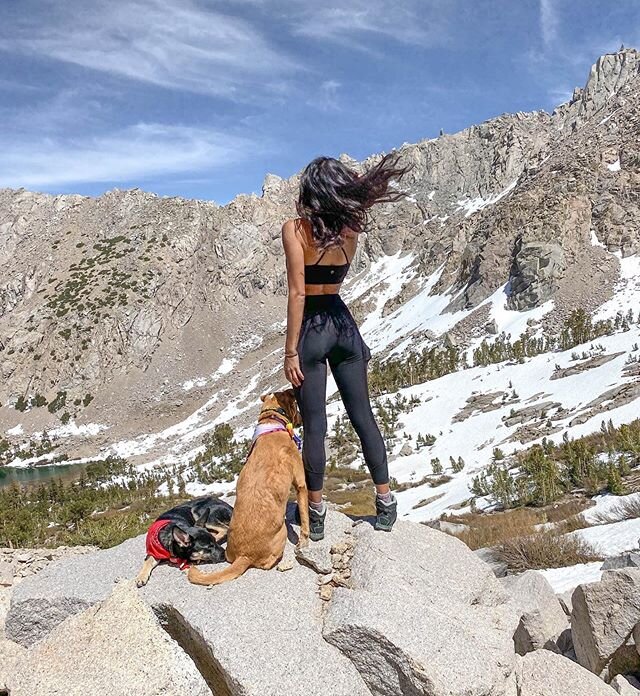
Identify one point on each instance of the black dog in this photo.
(188, 533)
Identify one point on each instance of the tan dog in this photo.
(257, 532)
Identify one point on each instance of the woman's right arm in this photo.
(294, 255)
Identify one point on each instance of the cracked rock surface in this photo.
(417, 602)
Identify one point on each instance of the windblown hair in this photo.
(333, 196)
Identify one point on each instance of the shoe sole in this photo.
(383, 529)
(316, 537)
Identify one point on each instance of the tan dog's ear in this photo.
(263, 397)
(287, 400)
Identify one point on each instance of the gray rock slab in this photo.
(115, 647)
(317, 555)
(630, 559)
(424, 616)
(67, 586)
(602, 618)
(6, 574)
(542, 619)
(565, 601)
(491, 558)
(544, 673)
(261, 634)
(626, 686)
(10, 654)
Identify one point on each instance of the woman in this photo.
(333, 205)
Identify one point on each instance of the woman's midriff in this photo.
(322, 289)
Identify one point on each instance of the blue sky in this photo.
(201, 98)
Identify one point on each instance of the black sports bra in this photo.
(315, 274)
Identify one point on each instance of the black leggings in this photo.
(329, 332)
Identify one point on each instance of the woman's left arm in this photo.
(294, 255)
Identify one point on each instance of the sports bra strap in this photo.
(346, 258)
(320, 259)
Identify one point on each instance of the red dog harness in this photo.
(157, 550)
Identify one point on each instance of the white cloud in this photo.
(76, 107)
(548, 22)
(175, 44)
(326, 96)
(138, 152)
(407, 21)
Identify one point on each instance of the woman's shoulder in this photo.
(297, 222)
(296, 227)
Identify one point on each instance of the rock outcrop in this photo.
(464, 617)
(544, 673)
(407, 613)
(417, 612)
(603, 618)
(626, 686)
(114, 647)
(536, 267)
(542, 619)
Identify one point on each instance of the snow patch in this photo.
(595, 241)
(615, 166)
(565, 579)
(473, 205)
(605, 505)
(627, 290)
(612, 539)
(512, 321)
(73, 430)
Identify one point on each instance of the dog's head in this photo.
(285, 400)
(196, 544)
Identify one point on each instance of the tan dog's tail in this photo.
(235, 570)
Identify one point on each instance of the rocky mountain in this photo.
(133, 324)
(332, 618)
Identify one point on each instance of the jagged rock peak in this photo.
(608, 75)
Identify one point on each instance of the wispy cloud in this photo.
(561, 52)
(351, 22)
(71, 107)
(548, 22)
(180, 45)
(139, 152)
(325, 97)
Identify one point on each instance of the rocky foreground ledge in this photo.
(410, 612)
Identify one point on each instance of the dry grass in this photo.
(339, 475)
(626, 510)
(545, 550)
(491, 529)
(566, 509)
(356, 500)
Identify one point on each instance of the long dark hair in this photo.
(333, 196)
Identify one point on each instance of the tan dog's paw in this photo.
(303, 543)
(145, 572)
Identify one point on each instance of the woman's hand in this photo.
(292, 370)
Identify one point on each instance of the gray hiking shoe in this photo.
(386, 514)
(316, 524)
